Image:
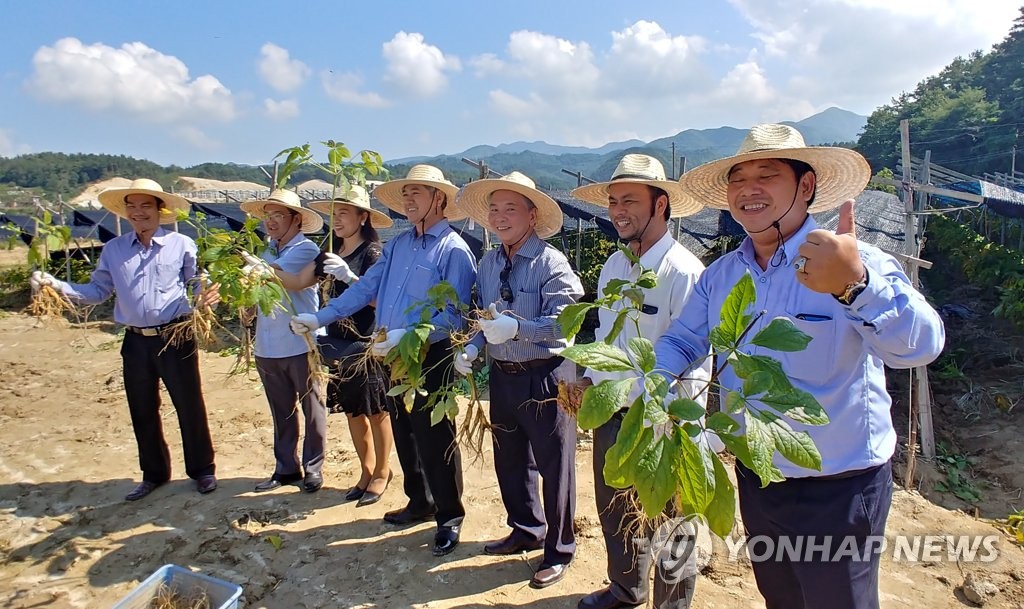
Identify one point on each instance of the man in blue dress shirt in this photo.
(411, 263)
(151, 270)
(862, 314)
(529, 282)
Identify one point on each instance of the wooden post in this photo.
(579, 242)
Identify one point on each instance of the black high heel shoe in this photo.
(354, 493)
(369, 497)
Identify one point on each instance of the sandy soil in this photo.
(67, 538)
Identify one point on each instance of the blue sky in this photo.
(191, 82)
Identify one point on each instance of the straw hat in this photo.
(390, 193)
(475, 198)
(841, 173)
(312, 222)
(357, 198)
(641, 169)
(113, 199)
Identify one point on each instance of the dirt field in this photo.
(67, 539)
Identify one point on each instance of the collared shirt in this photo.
(677, 271)
(409, 266)
(542, 285)
(889, 323)
(274, 338)
(150, 282)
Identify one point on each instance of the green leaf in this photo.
(761, 444)
(643, 350)
(652, 479)
(628, 253)
(696, 477)
(734, 402)
(398, 390)
(721, 423)
(686, 409)
(656, 387)
(721, 342)
(570, 320)
(721, 512)
(599, 356)
(798, 405)
(647, 280)
(620, 321)
(602, 400)
(275, 540)
(757, 383)
(437, 413)
(635, 295)
(734, 309)
(629, 438)
(796, 446)
(614, 287)
(781, 335)
(746, 365)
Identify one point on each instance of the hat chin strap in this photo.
(779, 257)
(639, 240)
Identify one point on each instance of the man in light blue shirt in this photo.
(151, 271)
(281, 356)
(411, 263)
(862, 314)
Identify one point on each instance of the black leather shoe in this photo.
(312, 482)
(602, 599)
(408, 515)
(354, 493)
(206, 484)
(445, 540)
(369, 497)
(513, 544)
(277, 481)
(144, 488)
(547, 575)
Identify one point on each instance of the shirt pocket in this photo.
(527, 304)
(421, 278)
(166, 277)
(815, 362)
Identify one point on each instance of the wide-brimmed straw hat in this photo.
(475, 198)
(390, 193)
(641, 169)
(312, 222)
(113, 199)
(355, 197)
(841, 173)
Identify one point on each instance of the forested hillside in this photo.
(970, 115)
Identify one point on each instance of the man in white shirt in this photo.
(640, 202)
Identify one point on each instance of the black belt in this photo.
(154, 330)
(516, 368)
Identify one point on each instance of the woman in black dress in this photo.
(360, 392)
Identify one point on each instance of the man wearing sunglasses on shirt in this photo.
(640, 201)
(525, 284)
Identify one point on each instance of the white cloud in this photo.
(486, 65)
(415, 68)
(9, 147)
(196, 138)
(646, 57)
(133, 79)
(553, 65)
(345, 89)
(279, 70)
(511, 105)
(280, 110)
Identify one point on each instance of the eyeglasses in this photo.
(506, 290)
(279, 216)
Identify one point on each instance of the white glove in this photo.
(382, 348)
(336, 265)
(254, 265)
(303, 323)
(464, 360)
(500, 329)
(38, 279)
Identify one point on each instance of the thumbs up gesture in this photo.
(828, 262)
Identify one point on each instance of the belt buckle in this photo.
(150, 331)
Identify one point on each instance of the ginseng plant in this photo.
(653, 452)
(48, 303)
(408, 375)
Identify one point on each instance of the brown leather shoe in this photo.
(513, 544)
(144, 488)
(547, 575)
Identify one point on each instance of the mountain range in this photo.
(545, 162)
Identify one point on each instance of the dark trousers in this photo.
(629, 559)
(285, 381)
(534, 438)
(147, 360)
(854, 507)
(430, 458)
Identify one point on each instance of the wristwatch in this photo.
(852, 290)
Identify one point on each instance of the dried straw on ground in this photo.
(168, 598)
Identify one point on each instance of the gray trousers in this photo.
(285, 381)
(629, 560)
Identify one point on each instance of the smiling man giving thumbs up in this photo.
(862, 314)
